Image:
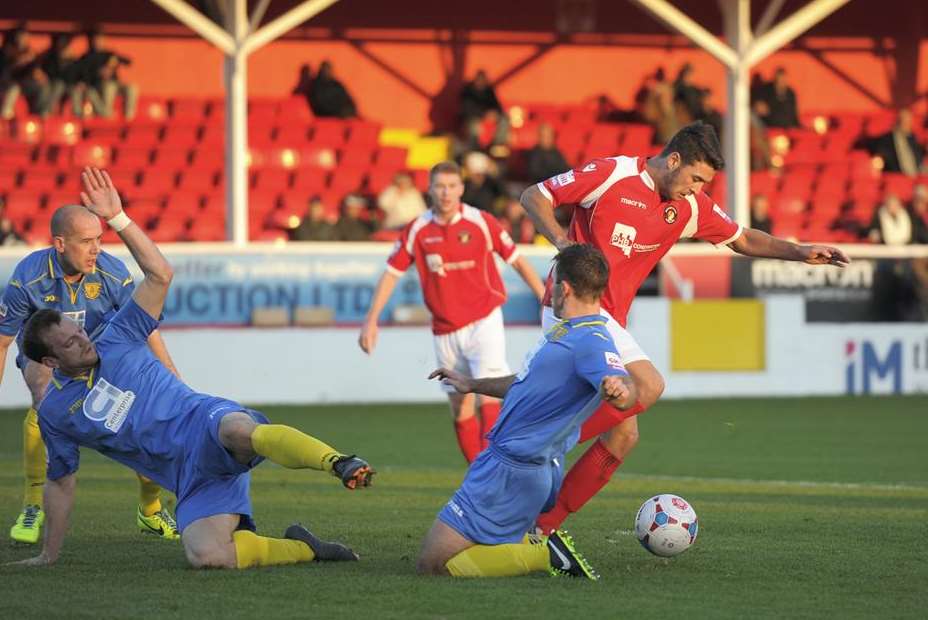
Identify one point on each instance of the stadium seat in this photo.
(180, 136)
(348, 179)
(390, 157)
(201, 180)
(127, 157)
(104, 134)
(22, 205)
(207, 229)
(27, 129)
(16, 155)
(151, 110)
(358, 156)
(91, 154)
(171, 157)
(317, 156)
(144, 210)
(208, 157)
(637, 138)
(168, 229)
(188, 110)
(898, 184)
(158, 181)
(39, 179)
(378, 179)
(329, 133)
(294, 110)
(142, 136)
(181, 201)
(276, 179)
(363, 135)
(420, 179)
(9, 177)
(61, 131)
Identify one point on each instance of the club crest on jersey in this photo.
(623, 237)
(108, 404)
(92, 289)
(463, 236)
(670, 214)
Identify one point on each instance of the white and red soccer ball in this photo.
(666, 525)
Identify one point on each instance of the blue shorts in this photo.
(213, 482)
(500, 498)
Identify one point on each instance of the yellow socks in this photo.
(252, 550)
(33, 460)
(149, 496)
(291, 448)
(499, 560)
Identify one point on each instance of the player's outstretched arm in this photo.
(541, 211)
(367, 339)
(488, 386)
(102, 199)
(59, 499)
(753, 242)
(620, 392)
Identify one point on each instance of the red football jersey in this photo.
(460, 281)
(619, 210)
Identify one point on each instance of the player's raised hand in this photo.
(99, 195)
(459, 382)
(824, 255)
(367, 340)
(618, 391)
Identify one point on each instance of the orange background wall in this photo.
(396, 81)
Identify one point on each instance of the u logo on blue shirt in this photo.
(108, 404)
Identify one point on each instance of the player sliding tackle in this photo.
(114, 396)
(481, 531)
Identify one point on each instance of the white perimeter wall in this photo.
(325, 365)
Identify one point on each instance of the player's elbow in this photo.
(529, 198)
(163, 275)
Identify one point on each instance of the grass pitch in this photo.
(808, 508)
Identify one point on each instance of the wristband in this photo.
(119, 222)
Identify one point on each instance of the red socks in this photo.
(468, 432)
(605, 418)
(583, 481)
(489, 412)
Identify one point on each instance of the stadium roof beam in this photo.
(237, 40)
(743, 50)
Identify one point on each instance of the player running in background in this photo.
(634, 210)
(574, 369)
(114, 396)
(452, 245)
(86, 284)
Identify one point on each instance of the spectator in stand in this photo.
(891, 223)
(919, 214)
(400, 202)
(779, 102)
(690, 100)
(354, 225)
(479, 106)
(654, 105)
(304, 83)
(517, 223)
(62, 71)
(482, 188)
(99, 71)
(899, 149)
(545, 160)
(20, 74)
(315, 225)
(8, 234)
(760, 213)
(328, 96)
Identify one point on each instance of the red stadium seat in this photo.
(898, 184)
(294, 110)
(208, 157)
(213, 136)
(180, 136)
(275, 179)
(360, 156)
(168, 229)
(637, 138)
(420, 179)
(329, 132)
(61, 131)
(22, 205)
(158, 181)
(91, 154)
(128, 157)
(363, 134)
(202, 180)
(188, 110)
(378, 179)
(40, 179)
(185, 202)
(104, 134)
(390, 157)
(9, 177)
(151, 110)
(317, 156)
(348, 179)
(207, 229)
(142, 136)
(16, 155)
(171, 157)
(143, 210)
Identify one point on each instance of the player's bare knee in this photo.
(235, 431)
(210, 555)
(429, 564)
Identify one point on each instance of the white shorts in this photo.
(477, 350)
(625, 344)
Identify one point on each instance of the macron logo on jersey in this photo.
(623, 236)
(589, 168)
(563, 179)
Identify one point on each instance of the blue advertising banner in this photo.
(221, 286)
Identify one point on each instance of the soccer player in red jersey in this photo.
(634, 209)
(452, 246)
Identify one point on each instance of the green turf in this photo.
(808, 508)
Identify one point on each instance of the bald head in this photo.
(69, 218)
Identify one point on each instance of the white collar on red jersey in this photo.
(454, 219)
(645, 176)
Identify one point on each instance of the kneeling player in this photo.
(481, 531)
(114, 396)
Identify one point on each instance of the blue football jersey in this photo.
(38, 283)
(556, 391)
(129, 408)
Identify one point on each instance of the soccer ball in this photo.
(666, 525)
